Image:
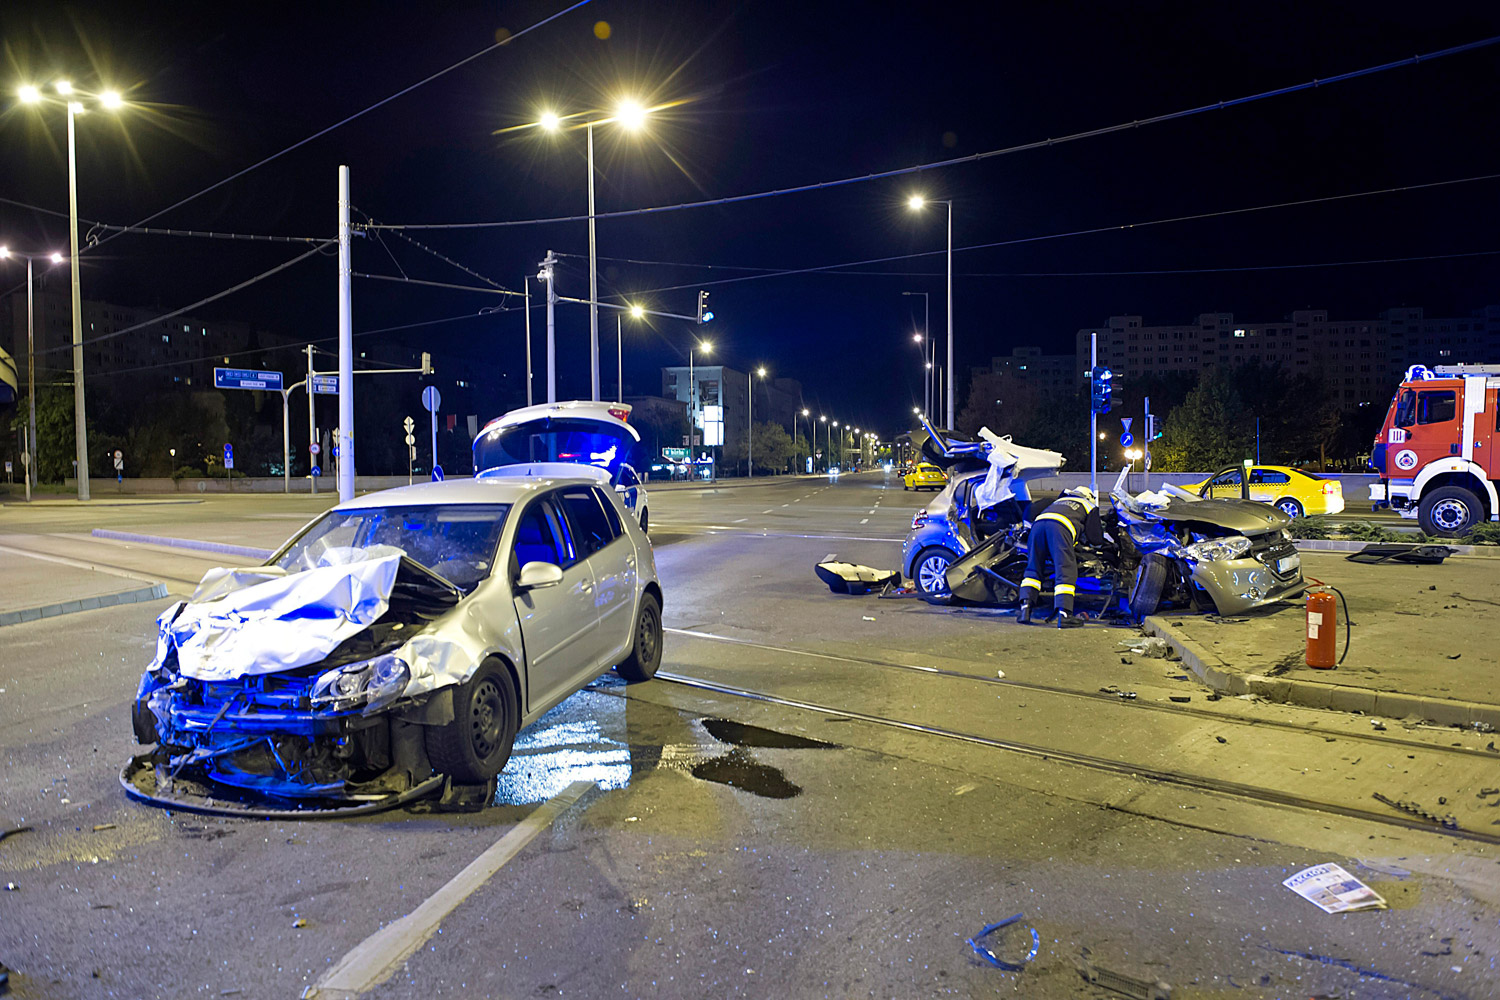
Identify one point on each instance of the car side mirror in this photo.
(539, 574)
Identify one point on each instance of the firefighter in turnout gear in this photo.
(1068, 520)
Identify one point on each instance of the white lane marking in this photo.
(830, 557)
(739, 520)
(765, 512)
(377, 957)
(786, 505)
(870, 511)
(864, 520)
(82, 564)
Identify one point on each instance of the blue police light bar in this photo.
(245, 378)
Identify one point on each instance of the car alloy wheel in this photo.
(1289, 507)
(932, 568)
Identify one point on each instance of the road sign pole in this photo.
(1093, 416)
(286, 441)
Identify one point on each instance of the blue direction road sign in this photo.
(228, 456)
(437, 473)
(328, 385)
(1127, 439)
(317, 471)
(245, 378)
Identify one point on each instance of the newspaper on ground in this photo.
(1334, 890)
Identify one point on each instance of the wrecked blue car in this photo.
(392, 650)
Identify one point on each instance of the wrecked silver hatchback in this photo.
(393, 649)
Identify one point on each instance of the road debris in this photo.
(13, 831)
(1384, 869)
(12, 887)
(1130, 986)
(867, 618)
(1377, 725)
(984, 952)
(300, 922)
(849, 578)
(1180, 698)
(99, 827)
(1334, 890)
(1447, 821)
(1000, 674)
(1151, 646)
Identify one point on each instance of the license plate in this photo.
(1287, 564)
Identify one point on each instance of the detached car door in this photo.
(598, 536)
(559, 625)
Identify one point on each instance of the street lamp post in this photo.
(917, 202)
(706, 348)
(926, 341)
(632, 116)
(808, 414)
(71, 99)
(750, 421)
(824, 421)
(29, 472)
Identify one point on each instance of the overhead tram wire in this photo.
(976, 157)
(195, 305)
(1093, 231)
(358, 114)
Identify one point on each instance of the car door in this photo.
(559, 625)
(598, 537)
(1268, 485)
(1224, 486)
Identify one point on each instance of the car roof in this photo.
(497, 489)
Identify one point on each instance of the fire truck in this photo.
(1436, 451)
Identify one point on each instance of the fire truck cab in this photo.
(1436, 451)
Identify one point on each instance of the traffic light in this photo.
(1100, 383)
(426, 363)
(704, 315)
(1151, 432)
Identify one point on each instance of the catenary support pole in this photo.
(346, 349)
(951, 369)
(312, 424)
(80, 415)
(1093, 416)
(549, 274)
(286, 441)
(620, 357)
(30, 469)
(526, 285)
(593, 282)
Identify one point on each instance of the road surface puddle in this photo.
(738, 770)
(742, 735)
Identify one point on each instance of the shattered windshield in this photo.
(554, 439)
(455, 541)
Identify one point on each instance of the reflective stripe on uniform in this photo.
(1035, 584)
(1064, 588)
(1060, 519)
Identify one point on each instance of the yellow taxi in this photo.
(924, 477)
(1297, 493)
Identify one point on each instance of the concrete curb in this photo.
(155, 592)
(184, 543)
(1314, 694)
(1342, 545)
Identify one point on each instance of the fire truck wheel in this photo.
(1449, 512)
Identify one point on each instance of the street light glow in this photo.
(761, 371)
(917, 410)
(805, 412)
(548, 121)
(63, 87)
(916, 338)
(915, 202)
(30, 94)
(111, 99)
(56, 258)
(705, 346)
(637, 312)
(631, 115)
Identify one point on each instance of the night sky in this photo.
(765, 95)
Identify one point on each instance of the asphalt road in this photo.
(884, 795)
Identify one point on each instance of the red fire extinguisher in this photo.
(1322, 626)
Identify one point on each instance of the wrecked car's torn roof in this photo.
(281, 622)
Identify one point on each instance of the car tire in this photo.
(1150, 584)
(934, 589)
(1289, 507)
(645, 646)
(1449, 512)
(475, 746)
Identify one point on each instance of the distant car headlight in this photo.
(370, 684)
(1214, 549)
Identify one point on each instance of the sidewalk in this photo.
(44, 588)
(1422, 643)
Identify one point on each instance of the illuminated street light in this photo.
(750, 421)
(29, 472)
(916, 202)
(637, 312)
(74, 101)
(630, 115)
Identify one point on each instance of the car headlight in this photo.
(1213, 549)
(369, 684)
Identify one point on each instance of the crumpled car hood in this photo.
(251, 621)
(1246, 517)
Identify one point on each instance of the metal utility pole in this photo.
(526, 285)
(312, 425)
(80, 416)
(1093, 416)
(951, 369)
(546, 274)
(346, 349)
(750, 425)
(30, 450)
(593, 280)
(620, 356)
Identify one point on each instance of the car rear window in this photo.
(590, 525)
